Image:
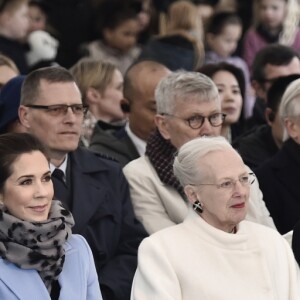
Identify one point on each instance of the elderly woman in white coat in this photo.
(40, 258)
(215, 253)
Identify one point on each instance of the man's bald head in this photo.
(139, 85)
(139, 73)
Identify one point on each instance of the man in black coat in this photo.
(263, 142)
(92, 187)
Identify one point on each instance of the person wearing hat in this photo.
(9, 105)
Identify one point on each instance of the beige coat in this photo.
(158, 206)
(194, 260)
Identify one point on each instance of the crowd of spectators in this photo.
(115, 97)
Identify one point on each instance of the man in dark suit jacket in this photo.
(93, 187)
(129, 142)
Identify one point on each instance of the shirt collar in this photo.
(139, 144)
(62, 167)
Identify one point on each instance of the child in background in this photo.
(223, 32)
(180, 46)
(276, 21)
(119, 30)
(205, 9)
(43, 46)
(182, 15)
(37, 15)
(13, 30)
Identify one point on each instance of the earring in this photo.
(197, 207)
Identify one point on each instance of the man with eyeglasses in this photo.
(270, 63)
(188, 106)
(91, 186)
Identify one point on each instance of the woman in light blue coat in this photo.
(39, 256)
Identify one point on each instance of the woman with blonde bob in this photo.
(279, 176)
(101, 86)
(215, 253)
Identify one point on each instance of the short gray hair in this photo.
(290, 103)
(179, 85)
(186, 163)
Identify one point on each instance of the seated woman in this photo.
(278, 176)
(215, 254)
(230, 82)
(40, 258)
(101, 85)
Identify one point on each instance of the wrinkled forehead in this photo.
(223, 163)
(58, 92)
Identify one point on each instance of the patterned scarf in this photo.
(37, 245)
(161, 154)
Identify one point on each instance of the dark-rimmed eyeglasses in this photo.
(229, 184)
(61, 109)
(196, 121)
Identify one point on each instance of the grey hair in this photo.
(290, 104)
(186, 163)
(180, 85)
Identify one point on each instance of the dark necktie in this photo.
(60, 187)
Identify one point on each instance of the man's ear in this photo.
(23, 116)
(259, 89)
(270, 116)
(162, 125)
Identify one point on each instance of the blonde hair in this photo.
(183, 15)
(291, 23)
(6, 61)
(290, 104)
(183, 19)
(93, 73)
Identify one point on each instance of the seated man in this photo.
(270, 63)
(129, 143)
(261, 143)
(93, 187)
(188, 106)
(279, 176)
